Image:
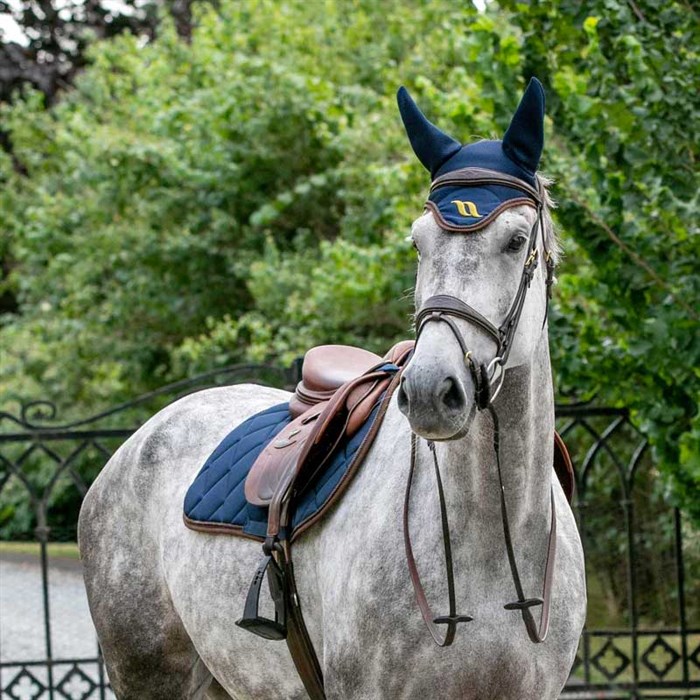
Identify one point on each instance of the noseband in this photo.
(488, 380)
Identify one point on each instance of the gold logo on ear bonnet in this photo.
(466, 208)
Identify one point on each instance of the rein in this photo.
(488, 380)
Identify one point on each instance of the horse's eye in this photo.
(415, 247)
(517, 242)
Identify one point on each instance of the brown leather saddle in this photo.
(340, 387)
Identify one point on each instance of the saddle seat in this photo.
(325, 369)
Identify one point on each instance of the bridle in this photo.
(488, 380)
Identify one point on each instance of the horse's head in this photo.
(486, 257)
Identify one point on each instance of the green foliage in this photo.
(248, 194)
(623, 80)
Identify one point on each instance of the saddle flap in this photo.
(279, 458)
(360, 403)
(302, 448)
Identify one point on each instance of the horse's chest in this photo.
(375, 641)
(479, 666)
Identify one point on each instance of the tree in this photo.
(247, 194)
(57, 39)
(57, 36)
(623, 79)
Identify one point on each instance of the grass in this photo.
(57, 550)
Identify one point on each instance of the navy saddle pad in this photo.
(215, 502)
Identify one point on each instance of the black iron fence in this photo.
(643, 561)
(642, 638)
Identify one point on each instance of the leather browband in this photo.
(481, 176)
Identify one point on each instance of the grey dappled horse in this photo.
(165, 598)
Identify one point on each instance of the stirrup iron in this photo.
(251, 620)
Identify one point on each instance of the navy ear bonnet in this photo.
(472, 185)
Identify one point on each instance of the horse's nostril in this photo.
(452, 395)
(402, 396)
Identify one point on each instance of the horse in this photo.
(165, 599)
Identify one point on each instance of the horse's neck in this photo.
(525, 409)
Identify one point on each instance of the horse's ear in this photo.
(432, 146)
(524, 139)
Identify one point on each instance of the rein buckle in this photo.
(532, 258)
